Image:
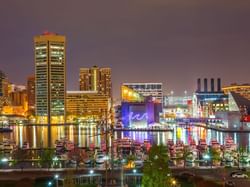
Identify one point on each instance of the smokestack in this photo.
(205, 85)
(212, 85)
(218, 85)
(198, 85)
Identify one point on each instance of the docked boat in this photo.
(4, 128)
(7, 146)
(215, 144)
(202, 145)
(124, 145)
(63, 145)
(229, 144)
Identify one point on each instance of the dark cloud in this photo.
(173, 42)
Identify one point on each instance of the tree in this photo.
(19, 156)
(46, 157)
(186, 154)
(156, 172)
(214, 155)
(240, 156)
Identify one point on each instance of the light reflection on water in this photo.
(37, 136)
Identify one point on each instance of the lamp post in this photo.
(122, 162)
(4, 160)
(206, 157)
(91, 172)
(106, 158)
(134, 172)
(56, 178)
(49, 183)
(173, 182)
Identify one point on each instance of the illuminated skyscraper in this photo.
(96, 79)
(3, 90)
(31, 92)
(50, 76)
(2, 79)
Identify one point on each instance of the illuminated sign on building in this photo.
(137, 116)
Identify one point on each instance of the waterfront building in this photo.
(147, 89)
(207, 102)
(176, 107)
(96, 79)
(4, 83)
(31, 92)
(138, 111)
(88, 105)
(243, 90)
(130, 95)
(238, 114)
(17, 101)
(3, 90)
(18, 95)
(50, 73)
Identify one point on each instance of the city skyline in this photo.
(180, 41)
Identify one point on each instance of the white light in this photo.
(207, 157)
(56, 176)
(106, 157)
(134, 170)
(4, 160)
(91, 171)
(49, 183)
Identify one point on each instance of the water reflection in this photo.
(85, 136)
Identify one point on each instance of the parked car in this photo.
(234, 172)
(239, 175)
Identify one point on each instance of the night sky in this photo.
(174, 42)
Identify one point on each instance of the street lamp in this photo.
(122, 162)
(206, 157)
(49, 183)
(4, 160)
(174, 182)
(91, 172)
(134, 171)
(56, 178)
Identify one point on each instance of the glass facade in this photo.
(147, 89)
(50, 77)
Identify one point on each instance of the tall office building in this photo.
(96, 79)
(3, 85)
(31, 92)
(3, 90)
(50, 84)
(147, 89)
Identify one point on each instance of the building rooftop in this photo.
(82, 92)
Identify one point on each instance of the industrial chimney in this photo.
(218, 85)
(205, 85)
(212, 85)
(199, 85)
